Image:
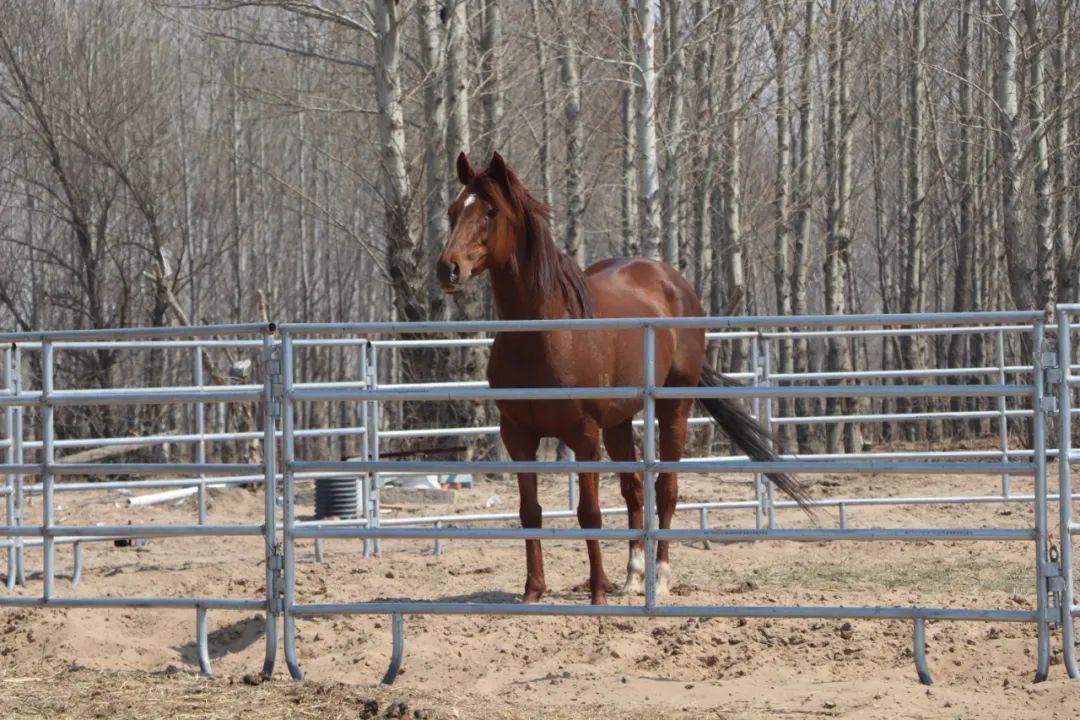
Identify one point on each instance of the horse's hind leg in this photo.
(619, 441)
(587, 448)
(522, 445)
(672, 416)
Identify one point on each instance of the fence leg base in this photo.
(202, 640)
(398, 654)
(270, 657)
(290, 648)
(76, 571)
(921, 668)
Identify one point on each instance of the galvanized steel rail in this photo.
(1049, 374)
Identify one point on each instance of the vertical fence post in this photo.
(766, 421)
(48, 435)
(571, 483)
(17, 447)
(1039, 410)
(272, 407)
(649, 465)
(200, 428)
(9, 458)
(755, 408)
(288, 444)
(202, 641)
(1003, 418)
(364, 414)
(375, 495)
(1068, 636)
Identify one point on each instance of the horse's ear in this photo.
(499, 172)
(465, 171)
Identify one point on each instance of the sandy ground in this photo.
(141, 663)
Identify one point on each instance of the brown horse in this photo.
(496, 226)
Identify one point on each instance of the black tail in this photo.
(745, 432)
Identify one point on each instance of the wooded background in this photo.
(211, 161)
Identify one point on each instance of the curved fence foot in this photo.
(76, 570)
(202, 640)
(921, 668)
(20, 566)
(290, 648)
(1042, 667)
(398, 653)
(271, 645)
(1068, 640)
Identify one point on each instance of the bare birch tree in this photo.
(648, 171)
(838, 180)
(671, 192)
(777, 23)
(1044, 249)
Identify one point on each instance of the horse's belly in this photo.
(566, 419)
(546, 418)
(555, 360)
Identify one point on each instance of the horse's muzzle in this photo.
(449, 274)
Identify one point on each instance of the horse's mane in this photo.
(548, 269)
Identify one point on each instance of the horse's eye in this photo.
(492, 213)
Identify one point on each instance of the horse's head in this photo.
(482, 222)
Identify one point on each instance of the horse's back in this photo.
(640, 287)
(634, 287)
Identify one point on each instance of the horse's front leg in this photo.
(588, 449)
(522, 445)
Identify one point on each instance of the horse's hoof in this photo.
(531, 596)
(599, 598)
(663, 578)
(634, 585)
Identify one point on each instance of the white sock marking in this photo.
(663, 578)
(635, 573)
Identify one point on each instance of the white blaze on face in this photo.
(470, 200)
(462, 194)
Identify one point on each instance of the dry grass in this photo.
(82, 694)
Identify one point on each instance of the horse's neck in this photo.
(516, 299)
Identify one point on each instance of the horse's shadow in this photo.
(491, 597)
(231, 638)
(502, 597)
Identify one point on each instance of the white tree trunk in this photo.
(436, 200)
(837, 238)
(672, 190)
(1044, 248)
(457, 84)
(648, 177)
(402, 260)
(696, 251)
(491, 98)
(778, 26)
(570, 73)
(628, 207)
(730, 180)
(544, 148)
(965, 242)
(1021, 282)
(1069, 286)
(803, 202)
